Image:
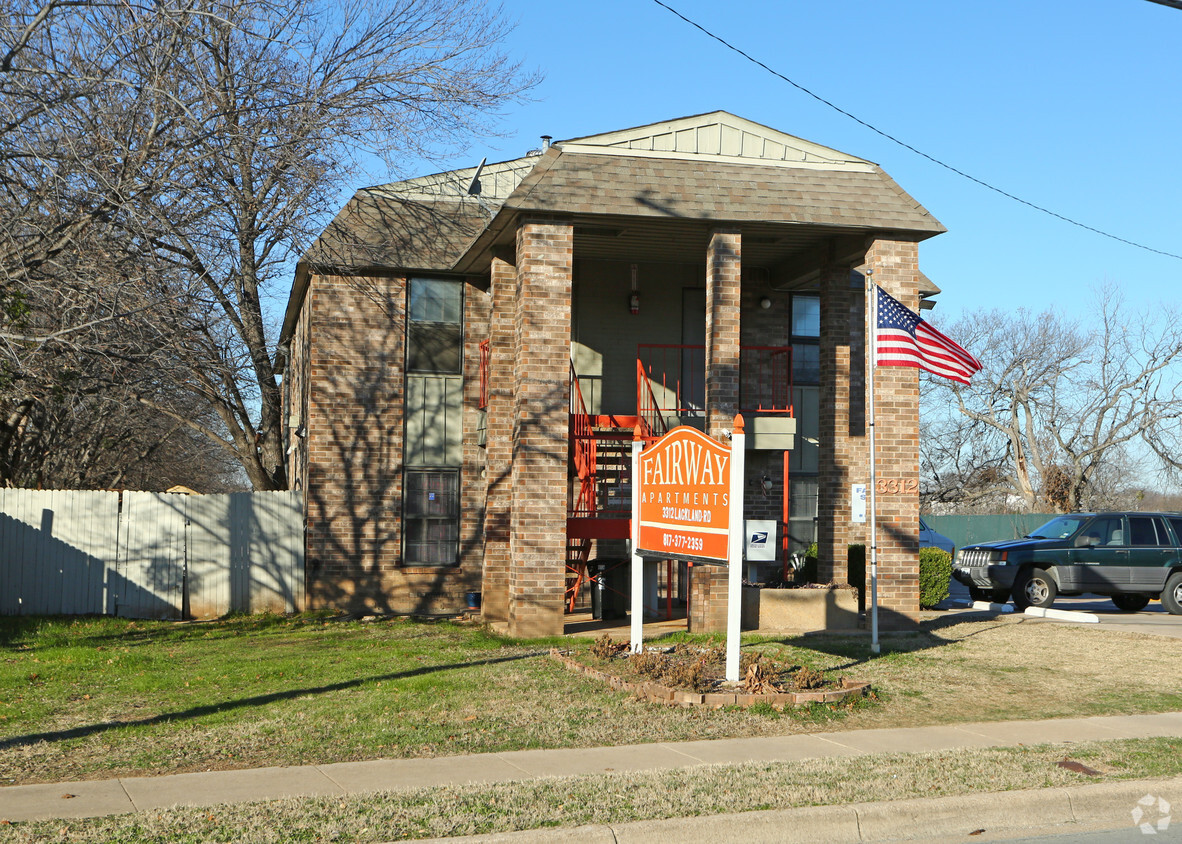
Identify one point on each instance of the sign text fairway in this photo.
(684, 489)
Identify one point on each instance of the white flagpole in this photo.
(872, 365)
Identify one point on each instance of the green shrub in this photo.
(809, 573)
(935, 570)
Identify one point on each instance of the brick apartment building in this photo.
(467, 356)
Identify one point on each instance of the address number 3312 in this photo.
(897, 486)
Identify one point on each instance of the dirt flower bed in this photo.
(692, 674)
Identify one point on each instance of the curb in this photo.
(1103, 806)
(1063, 615)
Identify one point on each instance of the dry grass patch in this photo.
(620, 798)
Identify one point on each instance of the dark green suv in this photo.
(1131, 557)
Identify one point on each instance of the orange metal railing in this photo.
(583, 448)
(648, 409)
(670, 380)
(484, 363)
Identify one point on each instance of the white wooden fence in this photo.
(150, 554)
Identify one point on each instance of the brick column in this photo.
(541, 405)
(708, 584)
(707, 606)
(498, 497)
(723, 269)
(834, 459)
(896, 402)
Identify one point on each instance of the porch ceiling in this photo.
(683, 241)
(686, 241)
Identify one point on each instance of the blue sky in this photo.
(1071, 106)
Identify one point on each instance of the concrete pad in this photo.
(211, 787)
(594, 760)
(392, 774)
(763, 749)
(87, 800)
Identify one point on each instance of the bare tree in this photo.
(211, 140)
(1058, 405)
(82, 134)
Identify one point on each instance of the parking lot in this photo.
(1153, 619)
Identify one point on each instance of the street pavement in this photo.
(1153, 620)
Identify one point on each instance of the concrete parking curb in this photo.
(992, 606)
(1103, 806)
(1063, 615)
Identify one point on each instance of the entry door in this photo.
(693, 361)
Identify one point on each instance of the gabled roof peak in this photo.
(717, 136)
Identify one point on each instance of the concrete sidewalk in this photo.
(141, 794)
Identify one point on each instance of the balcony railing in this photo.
(676, 376)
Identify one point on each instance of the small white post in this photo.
(735, 542)
(637, 626)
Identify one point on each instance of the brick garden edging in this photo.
(656, 693)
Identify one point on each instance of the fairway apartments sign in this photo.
(684, 490)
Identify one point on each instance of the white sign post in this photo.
(734, 589)
(684, 487)
(637, 625)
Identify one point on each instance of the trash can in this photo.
(615, 582)
(595, 570)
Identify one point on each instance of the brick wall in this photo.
(763, 327)
(836, 467)
(353, 489)
(896, 402)
(295, 397)
(541, 398)
(473, 473)
(354, 441)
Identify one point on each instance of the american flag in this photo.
(906, 340)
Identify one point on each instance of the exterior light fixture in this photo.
(634, 297)
(766, 483)
(765, 303)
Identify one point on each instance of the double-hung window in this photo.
(432, 447)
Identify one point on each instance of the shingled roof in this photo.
(705, 169)
(653, 187)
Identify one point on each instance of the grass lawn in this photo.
(95, 698)
(619, 798)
